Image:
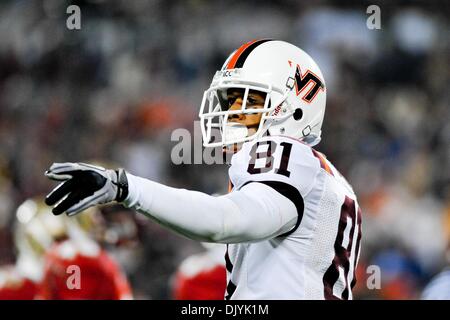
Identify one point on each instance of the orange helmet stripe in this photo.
(231, 64)
(241, 54)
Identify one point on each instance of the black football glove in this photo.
(84, 185)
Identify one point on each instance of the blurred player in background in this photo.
(100, 277)
(202, 276)
(49, 248)
(292, 223)
(35, 231)
(120, 235)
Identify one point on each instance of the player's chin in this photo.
(235, 147)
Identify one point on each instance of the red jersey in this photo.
(14, 286)
(201, 277)
(73, 274)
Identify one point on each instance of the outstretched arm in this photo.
(253, 213)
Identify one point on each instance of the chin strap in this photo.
(312, 141)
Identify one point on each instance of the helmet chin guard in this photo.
(235, 131)
(294, 95)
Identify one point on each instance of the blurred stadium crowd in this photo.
(115, 90)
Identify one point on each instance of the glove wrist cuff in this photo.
(122, 185)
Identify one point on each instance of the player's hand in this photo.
(84, 185)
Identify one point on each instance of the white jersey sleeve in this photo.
(254, 213)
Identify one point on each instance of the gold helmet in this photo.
(37, 229)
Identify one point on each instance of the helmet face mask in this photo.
(215, 113)
(273, 68)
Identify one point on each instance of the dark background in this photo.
(116, 89)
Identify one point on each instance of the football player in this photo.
(35, 231)
(77, 267)
(292, 223)
(48, 249)
(201, 276)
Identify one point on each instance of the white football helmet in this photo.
(295, 94)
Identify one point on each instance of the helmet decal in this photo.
(303, 81)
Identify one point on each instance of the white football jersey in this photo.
(318, 257)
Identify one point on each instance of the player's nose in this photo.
(236, 117)
(237, 105)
